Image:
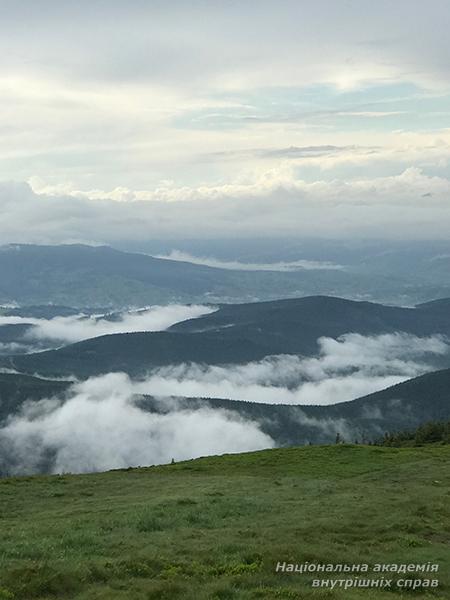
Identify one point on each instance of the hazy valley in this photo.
(166, 380)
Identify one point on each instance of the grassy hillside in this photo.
(235, 334)
(215, 528)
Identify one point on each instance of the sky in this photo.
(207, 118)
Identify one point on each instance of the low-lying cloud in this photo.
(100, 423)
(349, 367)
(13, 348)
(285, 266)
(81, 327)
(99, 427)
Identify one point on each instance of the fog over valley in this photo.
(74, 328)
(98, 422)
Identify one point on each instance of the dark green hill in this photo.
(13, 332)
(235, 334)
(135, 354)
(314, 316)
(435, 306)
(15, 389)
(413, 401)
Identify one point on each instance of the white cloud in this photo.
(276, 203)
(99, 427)
(279, 181)
(296, 265)
(124, 110)
(80, 327)
(351, 366)
(103, 96)
(370, 113)
(217, 46)
(12, 348)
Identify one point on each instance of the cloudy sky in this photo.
(268, 117)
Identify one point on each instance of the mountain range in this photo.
(236, 334)
(41, 283)
(100, 276)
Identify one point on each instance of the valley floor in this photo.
(215, 528)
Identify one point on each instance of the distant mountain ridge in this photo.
(100, 276)
(442, 304)
(79, 275)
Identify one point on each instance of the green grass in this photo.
(215, 528)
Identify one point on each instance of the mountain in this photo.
(403, 272)
(319, 315)
(79, 276)
(11, 333)
(234, 334)
(45, 311)
(15, 389)
(436, 306)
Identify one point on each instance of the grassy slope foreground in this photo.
(214, 528)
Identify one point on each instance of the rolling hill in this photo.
(235, 334)
(16, 389)
(436, 306)
(12, 333)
